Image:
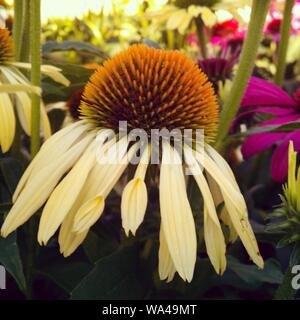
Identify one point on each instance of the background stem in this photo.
(245, 68)
(35, 51)
(285, 30)
(25, 41)
(201, 36)
(17, 27)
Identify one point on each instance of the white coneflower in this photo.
(15, 92)
(150, 89)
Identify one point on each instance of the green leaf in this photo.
(285, 291)
(11, 260)
(151, 43)
(79, 46)
(66, 275)
(271, 272)
(295, 255)
(113, 277)
(290, 126)
(11, 170)
(97, 247)
(76, 74)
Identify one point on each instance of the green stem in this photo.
(285, 30)
(245, 68)
(201, 36)
(35, 51)
(170, 39)
(25, 50)
(17, 27)
(285, 290)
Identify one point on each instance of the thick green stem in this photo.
(35, 52)
(25, 49)
(245, 68)
(285, 30)
(201, 36)
(17, 27)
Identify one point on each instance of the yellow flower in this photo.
(15, 92)
(150, 89)
(176, 18)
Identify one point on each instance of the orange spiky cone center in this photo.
(6, 46)
(151, 89)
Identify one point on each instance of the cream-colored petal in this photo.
(52, 72)
(222, 164)
(185, 23)
(23, 101)
(135, 197)
(23, 108)
(55, 74)
(244, 230)
(194, 166)
(221, 177)
(68, 240)
(236, 206)
(166, 268)
(13, 88)
(35, 193)
(133, 205)
(45, 123)
(176, 214)
(213, 234)
(95, 183)
(7, 122)
(175, 19)
(111, 173)
(64, 195)
(88, 214)
(50, 151)
(215, 243)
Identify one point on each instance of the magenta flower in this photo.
(265, 97)
(274, 18)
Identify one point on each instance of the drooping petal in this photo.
(166, 268)
(7, 122)
(64, 195)
(50, 151)
(175, 19)
(213, 234)
(135, 198)
(91, 211)
(235, 205)
(23, 102)
(88, 214)
(215, 243)
(52, 72)
(134, 204)
(218, 200)
(68, 240)
(36, 192)
(176, 214)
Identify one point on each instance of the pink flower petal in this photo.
(260, 92)
(259, 142)
(279, 163)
